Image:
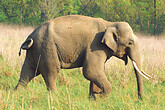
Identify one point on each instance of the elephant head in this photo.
(120, 38)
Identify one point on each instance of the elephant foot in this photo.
(20, 86)
(140, 97)
(94, 91)
(95, 95)
(52, 89)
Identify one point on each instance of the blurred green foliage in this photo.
(138, 13)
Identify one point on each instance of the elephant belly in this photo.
(70, 56)
(71, 61)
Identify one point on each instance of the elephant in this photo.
(74, 41)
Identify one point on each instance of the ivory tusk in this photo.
(146, 74)
(134, 64)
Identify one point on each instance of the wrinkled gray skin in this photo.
(78, 41)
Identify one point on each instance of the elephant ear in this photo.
(110, 38)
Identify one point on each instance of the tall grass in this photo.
(73, 87)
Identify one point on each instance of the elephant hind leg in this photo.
(27, 74)
(49, 68)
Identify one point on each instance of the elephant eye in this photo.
(130, 43)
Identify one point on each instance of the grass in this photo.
(73, 88)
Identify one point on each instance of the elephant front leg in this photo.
(98, 81)
(93, 70)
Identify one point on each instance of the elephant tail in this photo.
(26, 45)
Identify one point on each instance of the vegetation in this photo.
(147, 16)
(73, 88)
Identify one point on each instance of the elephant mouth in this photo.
(124, 57)
(120, 54)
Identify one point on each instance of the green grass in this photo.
(73, 88)
(73, 93)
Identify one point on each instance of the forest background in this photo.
(146, 16)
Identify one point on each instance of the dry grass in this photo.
(11, 38)
(153, 51)
(153, 55)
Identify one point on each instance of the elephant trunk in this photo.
(134, 55)
(136, 59)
